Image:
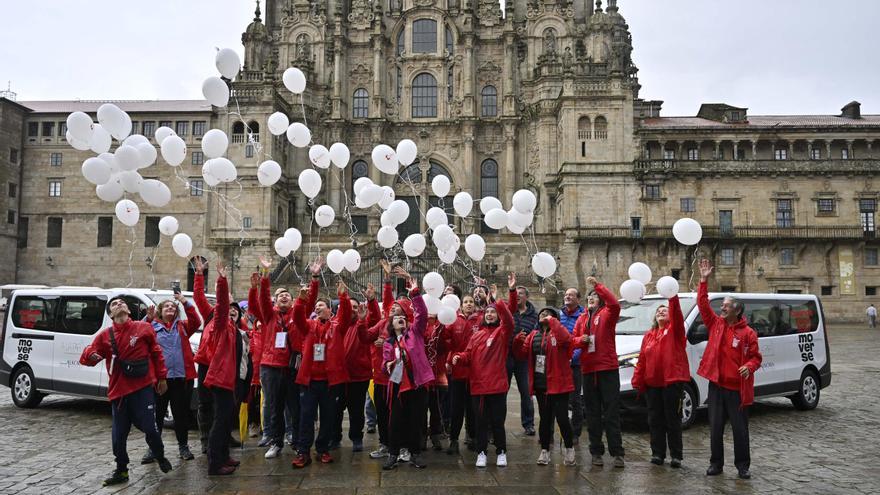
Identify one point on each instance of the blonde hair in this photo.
(161, 307)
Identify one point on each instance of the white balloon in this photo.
(228, 63)
(360, 184)
(399, 210)
(100, 140)
(371, 194)
(79, 124)
(385, 159)
(496, 219)
(490, 203)
(127, 212)
(524, 201)
(451, 301)
(667, 286)
(352, 260)
(182, 245)
(127, 157)
(432, 303)
(299, 135)
(294, 237)
(447, 257)
(475, 247)
(216, 91)
(463, 204)
(435, 217)
(387, 197)
(214, 143)
(111, 162)
(513, 227)
(224, 170)
(360, 203)
(168, 225)
(387, 237)
(443, 237)
(320, 156)
(640, 271)
(269, 172)
(155, 193)
(632, 291)
(433, 284)
(282, 247)
(414, 245)
(339, 155)
(131, 181)
(147, 153)
(278, 123)
(114, 120)
(440, 185)
(173, 150)
(76, 143)
(162, 133)
(519, 218)
(126, 127)
(335, 260)
(446, 315)
(96, 171)
(687, 231)
(543, 264)
(385, 220)
(324, 215)
(294, 80)
(111, 191)
(309, 181)
(208, 173)
(406, 152)
(135, 139)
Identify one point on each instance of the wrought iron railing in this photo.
(717, 232)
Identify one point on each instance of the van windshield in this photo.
(636, 319)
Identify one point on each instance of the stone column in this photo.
(754, 150)
(378, 71)
(509, 163)
(736, 150)
(791, 150)
(828, 149)
(337, 74)
(662, 150)
(809, 150)
(509, 102)
(849, 149)
(468, 75)
(680, 146)
(717, 155)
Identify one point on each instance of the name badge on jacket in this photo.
(319, 351)
(280, 340)
(540, 363)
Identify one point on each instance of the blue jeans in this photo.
(520, 369)
(370, 411)
(138, 409)
(317, 396)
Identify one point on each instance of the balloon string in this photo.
(131, 256)
(153, 262)
(693, 263)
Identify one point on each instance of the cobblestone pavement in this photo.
(64, 447)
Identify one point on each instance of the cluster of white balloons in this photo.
(349, 260)
(633, 290)
(289, 242)
(445, 307)
(517, 219)
(215, 89)
(389, 160)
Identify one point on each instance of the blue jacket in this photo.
(524, 322)
(568, 321)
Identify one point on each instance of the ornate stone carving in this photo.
(489, 72)
(361, 16)
(489, 12)
(535, 10)
(361, 74)
(424, 3)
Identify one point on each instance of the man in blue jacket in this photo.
(525, 319)
(569, 313)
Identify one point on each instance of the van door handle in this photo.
(35, 336)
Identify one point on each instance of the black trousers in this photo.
(724, 407)
(461, 409)
(178, 396)
(280, 392)
(407, 419)
(576, 402)
(550, 407)
(254, 408)
(218, 437)
(380, 401)
(351, 398)
(206, 406)
(602, 401)
(135, 409)
(664, 420)
(490, 409)
(436, 398)
(316, 398)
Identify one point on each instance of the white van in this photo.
(46, 330)
(791, 336)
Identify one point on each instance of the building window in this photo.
(635, 224)
(198, 158)
(600, 128)
(196, 187)
(23, 224)
(780, 154)
(249, 150)
(676, 273)
(150, 129)
(786, 256)
(165, 123)
(424, 36)
(871, 257)
(13, 190)
(410, 175)
(134, 128)
(727, 257)
(54, 188)
(652, 191)
(424, 98)
(584, 130)
(693, 154)
(784, 213)
(105, 231)
(449, 83)
(740, 154)
(844, 154)
(10, 217)
(449, 42)
(55, 159)
(488, 187)
(816, 153)
(688, 205)
(399, 84)
(247, 222)
(827, 290)
(48, 129)
(33, 129)
(360, 104)
(870, 290)
(826, 206)
(181, 128)
(867, 207)
(53, 232)
(725, 222)
(151, 232)
(199, 127)
(668, 154)
(13, 155)
(489, 104)
(401, 42)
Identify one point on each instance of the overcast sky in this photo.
(772, 56)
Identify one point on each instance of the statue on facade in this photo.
(549, 41)
(302, 47)
(567, 59)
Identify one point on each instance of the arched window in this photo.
(449, 82)
(449, 42)
(358, 169)
(437, 169)
(584, 133)
(489, 106)
(411, 174)
(424, 97)
(191, 272)
(488, 187)
(424, 36)
(360, 103)
(254, 128)
(399, 83)
(600, 128)
(238, 132)
(400, 42)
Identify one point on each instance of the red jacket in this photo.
(357, 345)
(487, 351)
(438, 341)
(460, 334)
(274, 320)
(186, 330)
(747, 341)
(557, 349)
(223, 369)
(135, 340)
(601, 325)
(330, 332)
(380, 331)
(663, 357)
(256, 335)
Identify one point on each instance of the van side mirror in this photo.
(698, 334)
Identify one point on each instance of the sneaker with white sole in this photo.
(273, 452)
(501, 461)
(544, 458)
(379, 453)
(404, 455)
(481, 460)
(568, 457)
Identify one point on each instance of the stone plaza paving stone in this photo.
(63, 446)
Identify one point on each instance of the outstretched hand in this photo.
(411, 284)
(401, 272)
(386, 267)
(370, 293)
(316, 266)
(198, 266)
(265, 263)
(511, 280)
(304, 293)
(255, 280)
(221, 268)
(592, 281)
(706, 269)
(341, 288)
(151, 313)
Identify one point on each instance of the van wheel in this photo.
(688, 406)
(24, 388)
(807, 396)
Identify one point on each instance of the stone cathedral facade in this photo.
(543, 97)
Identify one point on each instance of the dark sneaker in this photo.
(436, 443)
(656, 460)
(744, 474)
(597, 460)
(233, 443)
(618, 461)
(116, 477)
(676, 463)
(714, 471)
(417, 462)
(185, 454)
(530, 431)
(453, 448)
(148, 458)
(232, 462)
(371, 430)
(221, 471)
(335, 444)
(390, 463)
(301, 461)
(204, 448)
(357, 446)
(164, 464)
(326, 458)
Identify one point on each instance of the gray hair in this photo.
(738, 306)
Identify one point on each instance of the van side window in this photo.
(81, 315)
(803, 315)
(698, 332)
(136, 306)
(34, 312)
(767, 318)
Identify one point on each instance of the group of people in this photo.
(429, 380)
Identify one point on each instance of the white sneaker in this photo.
(379, 453)
(544, 458)
(502, 460)
(273, 452)
(404, 455)
(568, 457)
(481, 459)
